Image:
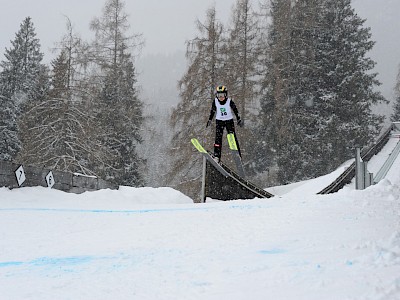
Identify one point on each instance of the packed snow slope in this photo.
(150, 243)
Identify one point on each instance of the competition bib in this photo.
(224, 112)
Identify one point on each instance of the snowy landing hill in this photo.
(157, 244)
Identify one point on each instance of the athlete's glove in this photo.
(208, 123)
(240, 123)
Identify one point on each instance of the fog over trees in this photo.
(300, 73)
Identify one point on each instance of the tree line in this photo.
(298, 71)
(82, 113)
(301, 76)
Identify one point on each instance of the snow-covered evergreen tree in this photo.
(23, 79)
(59, 128)
(395, 117)
(347, 85)
(23, 69)
(10, 143)
(320, 88)
(301, 152)
(118, 105)
(121, 116)
(56, 128)
(274, 118)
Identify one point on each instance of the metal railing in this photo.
(349, 173)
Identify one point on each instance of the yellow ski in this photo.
(232, 141)
(208, 156)
(199, 147)
(235, 153)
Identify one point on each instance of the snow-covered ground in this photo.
(156, 244)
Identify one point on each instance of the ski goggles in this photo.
(221, 95)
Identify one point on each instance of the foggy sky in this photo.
(167, 24)
(383, 17)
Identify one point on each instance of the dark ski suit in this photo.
(224, 118)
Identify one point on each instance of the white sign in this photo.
(50, 179)
(20, 174)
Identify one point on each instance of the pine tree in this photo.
(23, 69)
(59, 128)
(10, 143)
(121, 116)
(395, 117)
(197, 87)
(274, 128)
(119, 107)
(23, 79)
(302, 140)
(347, 83)
(319, 87)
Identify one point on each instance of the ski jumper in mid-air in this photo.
(223, 108)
